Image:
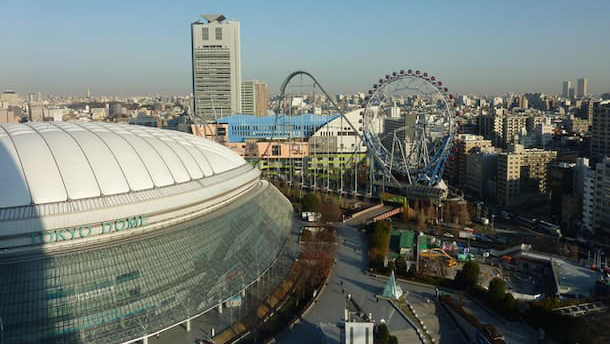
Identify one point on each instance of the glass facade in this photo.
(124, 290)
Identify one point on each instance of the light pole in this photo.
(493, 216)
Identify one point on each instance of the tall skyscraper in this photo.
(582, 88)
(571, 93)
(216, 67)
(565, 89)
(254, 98)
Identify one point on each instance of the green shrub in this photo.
(468, 277)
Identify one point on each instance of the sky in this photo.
(137, 47)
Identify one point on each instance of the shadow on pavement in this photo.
(448, 331)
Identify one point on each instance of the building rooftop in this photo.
(63, 161)
(241, 127)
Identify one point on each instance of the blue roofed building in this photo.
(242, 127)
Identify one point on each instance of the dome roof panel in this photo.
(53, 162)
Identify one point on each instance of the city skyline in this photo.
(138, 49)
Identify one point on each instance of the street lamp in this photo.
(493, 216)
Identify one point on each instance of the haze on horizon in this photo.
(136, 47)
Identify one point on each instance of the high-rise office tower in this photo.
(216, 67)
(565, 89)
(254, 98)
(582, 88)
(600, 131)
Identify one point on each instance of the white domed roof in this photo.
(60, 161)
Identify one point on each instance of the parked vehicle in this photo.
(526, 222)
(465, 235)
(549, 228)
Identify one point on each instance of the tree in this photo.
(412, 272)
(383, 334)
(330, 210)
(496, 291)
(509, 304)
(420, 221)
(401, 266)
(468, 277)
(379, 239)
(463, 214)
(310, 202)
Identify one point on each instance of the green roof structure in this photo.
(392, 290)
(402, 239)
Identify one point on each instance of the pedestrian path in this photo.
(324, 321)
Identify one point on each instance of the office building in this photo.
(482, 166)
(522, 175)
(600, 131)
(216, 68)
(572, 93)
(601, 198)
(254, 98)
(583, 88)
(8, 116)
(112, 233)
(456, 172)
(10, 98)
(565, 88)
(491, 127)
(584, 189)
(512, 127)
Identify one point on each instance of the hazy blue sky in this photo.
(138, 47)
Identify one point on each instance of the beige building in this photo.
(10, 98)
(482, 166)
(254, 98)
(8, 116)
(490, 126)
(457, 168)
(216, 68)
(512, 126)
(522, 175)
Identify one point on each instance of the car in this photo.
(448, 235)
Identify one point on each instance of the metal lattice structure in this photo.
(409, 126)
(316, 143)
(399, 138)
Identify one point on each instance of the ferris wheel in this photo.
(408, 124)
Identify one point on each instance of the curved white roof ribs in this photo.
(54, 162)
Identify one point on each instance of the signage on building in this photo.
(80, 232)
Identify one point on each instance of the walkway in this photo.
(322, 323)
(369, 214)
(513, 332)
(326, 316)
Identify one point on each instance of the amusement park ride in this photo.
(399, 140)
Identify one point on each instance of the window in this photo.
(205, 34)
(276, 150)
(221, 131)
(218, 33)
